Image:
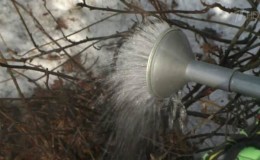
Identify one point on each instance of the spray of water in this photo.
(138, 115)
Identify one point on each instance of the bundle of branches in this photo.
(59, 123)
(59, 118)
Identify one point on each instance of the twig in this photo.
(12, 76)
(205, 10)
(39, 70)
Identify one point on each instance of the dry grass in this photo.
(53, 124)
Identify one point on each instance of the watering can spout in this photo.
(171, 65)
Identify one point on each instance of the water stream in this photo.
(137, 112)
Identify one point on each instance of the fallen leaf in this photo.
(57, 84)
(61, 24)
(70, 66)
(209, 48)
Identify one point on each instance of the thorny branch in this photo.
(38, 69)
(132, 11)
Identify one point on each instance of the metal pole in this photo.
(223, 78)
(245, 84)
